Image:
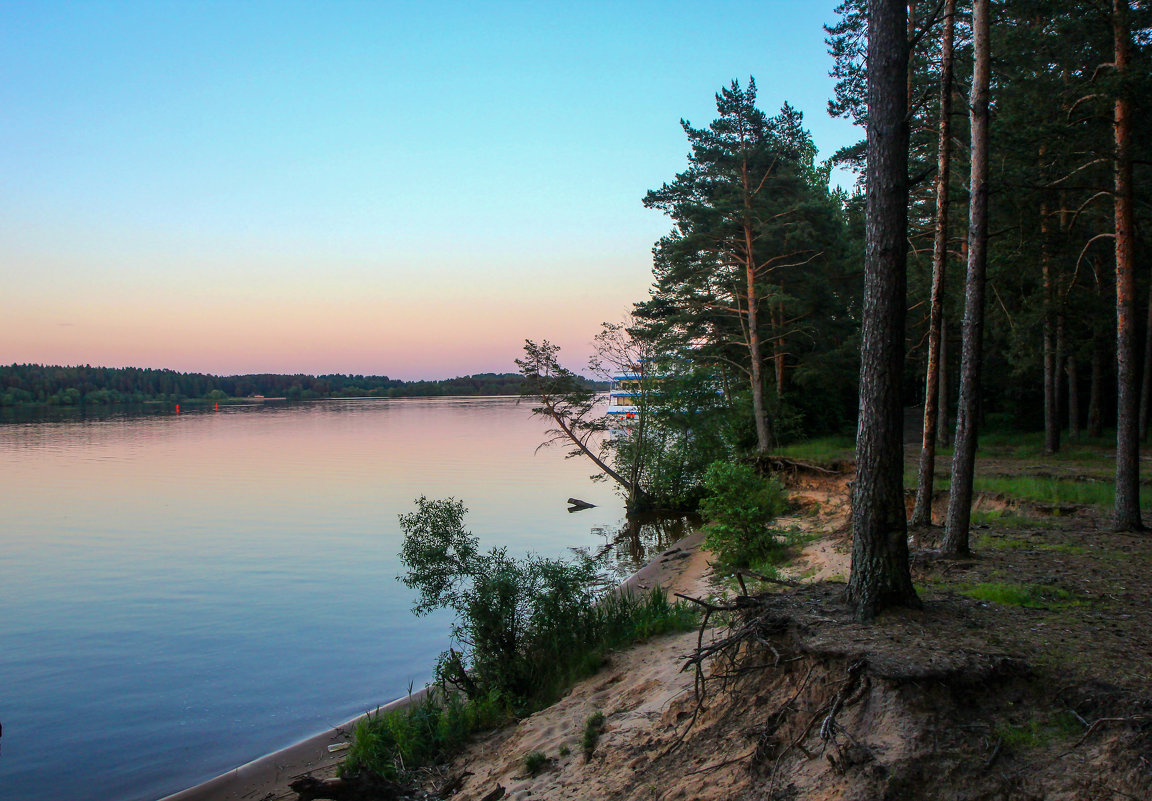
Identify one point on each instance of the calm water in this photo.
(182, 594)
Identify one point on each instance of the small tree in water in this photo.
(569, 403)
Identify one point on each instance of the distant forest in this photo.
(28, 384)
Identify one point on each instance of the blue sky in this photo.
(399, 188)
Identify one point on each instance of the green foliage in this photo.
(421, 733)
(593, 726)
(526, 627)
(512, 616)
(740, 506)
(758, 240)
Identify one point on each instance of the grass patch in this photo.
(824, 450)
(534, 762)
(1041, 489)
(1031, 446)
(1007, 544)
(1064, 547)
(999, 518)
(990, 541)
(1058, 492)
(592, 728)
(422, 733)
(1039, 732)
(1030, 596)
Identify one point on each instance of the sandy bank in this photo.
(678, 569)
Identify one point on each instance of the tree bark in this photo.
(763, 440)
(1146, 383)
(922, 511)
(1070, 368)
(1061, 349)
(942, 428)
(778, 354)
(1051, 367)
(1095, 424)
(881, 576)
(763, 437)
(1127, 511)
(964, 456)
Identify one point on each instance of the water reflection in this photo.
(214, 585)
(636, 540)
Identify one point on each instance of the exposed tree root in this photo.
(887, 710)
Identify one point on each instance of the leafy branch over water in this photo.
(526, 629)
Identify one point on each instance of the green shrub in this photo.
(422, 733)
(592, 728)
(513, 617)
(534, 762)
(525, 627)
(739, 506)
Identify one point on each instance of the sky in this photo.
(407, 189)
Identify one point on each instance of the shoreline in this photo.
(265, 776)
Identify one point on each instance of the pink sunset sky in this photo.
(406, 189)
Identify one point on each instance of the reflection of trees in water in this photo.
(635, 540)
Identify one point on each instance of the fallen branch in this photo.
(765, 579)
(1096, 724)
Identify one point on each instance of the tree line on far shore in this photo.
(36, 384)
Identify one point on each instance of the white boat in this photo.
(624, 399)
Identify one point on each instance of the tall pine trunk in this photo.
(1095, 423)
(755, 353)
(881, 576)
(922, 511)
(1070, 367)
(1127, 510)
(755, 350)
(1051, 351)
(964, 456)
(1146, 383)
(943, 434)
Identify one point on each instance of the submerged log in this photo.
(577, 505)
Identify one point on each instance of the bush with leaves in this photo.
(525, 627)
(513, 616)
(740, 506)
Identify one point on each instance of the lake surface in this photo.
(180, 594)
